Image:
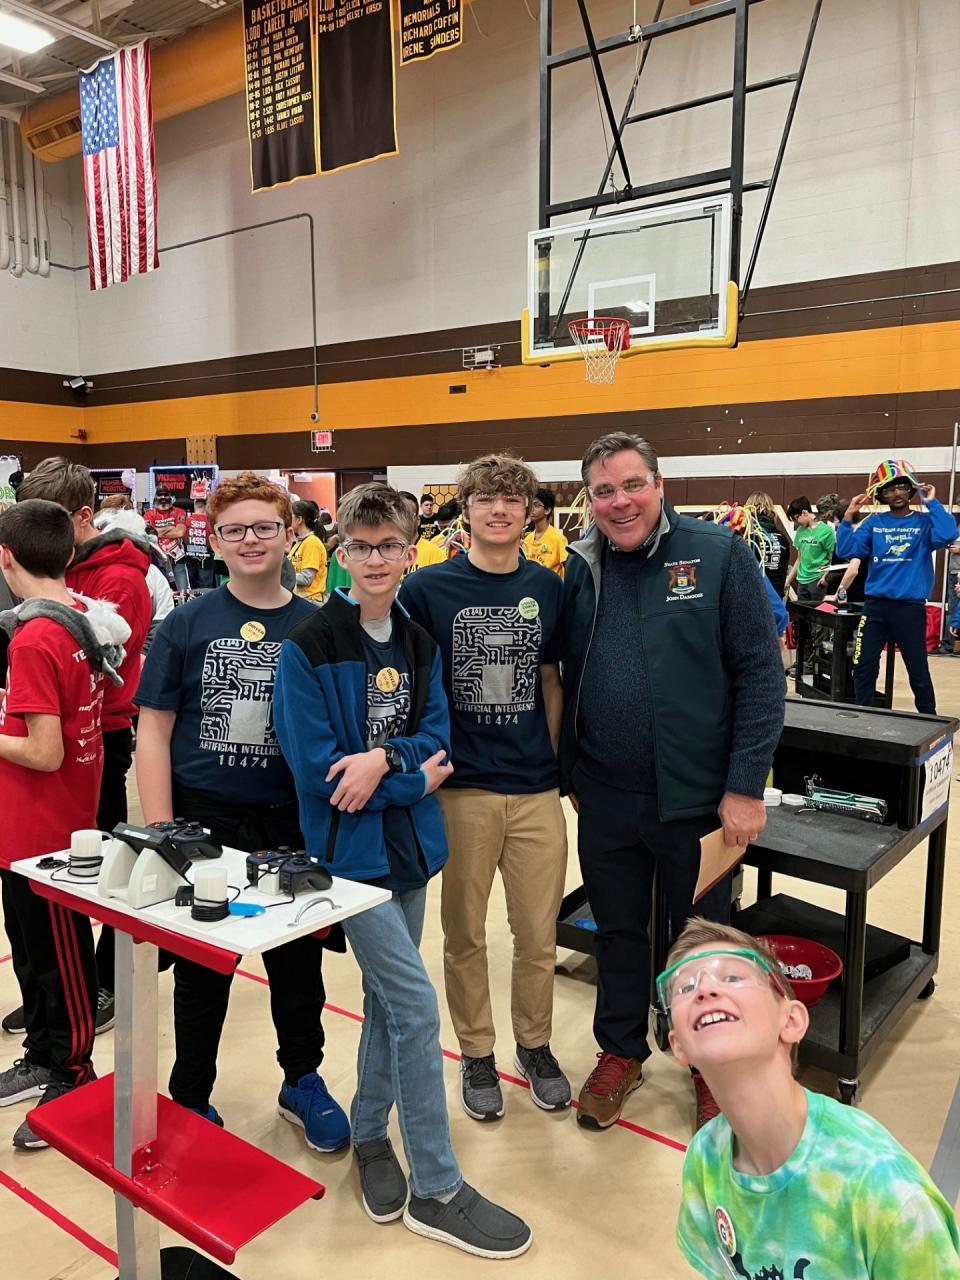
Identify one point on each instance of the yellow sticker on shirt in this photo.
(387, 679)
(253, 631)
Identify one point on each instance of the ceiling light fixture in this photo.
(25, 37)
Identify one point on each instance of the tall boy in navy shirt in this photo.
(897, 545)
(496, 619)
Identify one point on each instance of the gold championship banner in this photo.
(281, 97)
(427, 27)
(356, 81)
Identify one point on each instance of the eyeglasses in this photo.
(897, 484)
(513, 501)
(265, 530)
(392, 549)
(632, 485)
(734, 969)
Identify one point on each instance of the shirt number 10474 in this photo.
(491, 718)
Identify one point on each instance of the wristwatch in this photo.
(394, 760)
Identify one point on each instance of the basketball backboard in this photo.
(666, 271)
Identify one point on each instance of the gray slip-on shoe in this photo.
(382, 1184)
(471, 1223)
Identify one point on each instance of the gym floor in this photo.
(594, 1200)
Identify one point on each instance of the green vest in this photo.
(680, 586)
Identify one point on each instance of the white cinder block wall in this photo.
(435, 237)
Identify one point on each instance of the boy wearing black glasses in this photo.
(207, 750)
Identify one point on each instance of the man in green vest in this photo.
(673, 705)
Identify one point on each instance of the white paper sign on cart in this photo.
(937, 772)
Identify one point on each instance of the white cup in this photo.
(210, 884)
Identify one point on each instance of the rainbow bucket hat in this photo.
(891, 469)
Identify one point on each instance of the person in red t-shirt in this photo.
(109, 565)
(170, 523)
(51, 759)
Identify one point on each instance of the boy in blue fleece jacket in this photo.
(363, 722)
(897, 545)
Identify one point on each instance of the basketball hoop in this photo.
(600, 339)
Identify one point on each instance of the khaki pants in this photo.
(526, 837)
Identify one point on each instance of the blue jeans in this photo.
(181, 580)
(399, 1060)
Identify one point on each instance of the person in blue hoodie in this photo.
(896, 544)
(362, 718)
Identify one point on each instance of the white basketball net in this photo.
(600, 341)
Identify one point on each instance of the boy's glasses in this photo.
(392, 549)
(265, 530)
(607, 492)
(733, 970)
(897, 484)
(513, 501)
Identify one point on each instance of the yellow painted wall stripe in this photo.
(889, 361)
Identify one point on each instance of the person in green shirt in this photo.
(785, 1182)
(814, 540)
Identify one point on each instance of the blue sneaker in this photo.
(211, 1114)
(323, 1121)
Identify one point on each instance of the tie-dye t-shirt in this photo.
(849, 1204)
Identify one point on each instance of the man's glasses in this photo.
(732, 970)
(607, 492)
(392, 549)
(265, 530)
(483, 501)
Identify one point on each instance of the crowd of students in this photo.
(416, 724)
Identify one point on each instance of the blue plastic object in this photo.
(246, 909)
(585, 922)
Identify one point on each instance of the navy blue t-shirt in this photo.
(213, 661)
(388, 709)
(495, 631)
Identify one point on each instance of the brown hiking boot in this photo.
(606, 1088)
(706, 1103)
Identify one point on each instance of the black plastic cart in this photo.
(826, 641)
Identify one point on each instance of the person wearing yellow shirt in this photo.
(308, 554)
(545, 543)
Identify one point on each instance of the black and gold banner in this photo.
(281, 98)
(427, 27)
(356, 82)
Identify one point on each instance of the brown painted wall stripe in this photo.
(916, 295)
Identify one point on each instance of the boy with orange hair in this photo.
(785, 1182)
(207, 750)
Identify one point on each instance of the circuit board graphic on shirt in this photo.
(236, 701)
(496, 657)
(387, 713)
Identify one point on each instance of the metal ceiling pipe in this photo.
(13, 146)
(43, 226)
(32, 262)
(4, 210)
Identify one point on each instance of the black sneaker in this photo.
(480, 1090)
(549, 1087)
(471, 1223)
(25, 1139)
(106, 1014)
(382, 1184)
(14, 1023)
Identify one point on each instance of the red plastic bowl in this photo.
(824, 964)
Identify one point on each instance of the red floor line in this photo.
(3, 959)
(455, 1057)
(58, 1219)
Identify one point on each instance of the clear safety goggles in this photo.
(730, 970)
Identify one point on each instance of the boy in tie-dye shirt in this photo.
(786, 1184)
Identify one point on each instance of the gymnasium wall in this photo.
(853, 331)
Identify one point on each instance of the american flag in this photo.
(119, 176)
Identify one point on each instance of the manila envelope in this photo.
(716, 859)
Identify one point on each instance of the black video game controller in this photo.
(190, 838)
(294, 871)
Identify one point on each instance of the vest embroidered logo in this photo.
(682, 579)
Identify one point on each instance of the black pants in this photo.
(117, 758)
(200, 996)
(621, 843)
(200, 571)
(899, 622)
(810, 592)
(52, 953)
